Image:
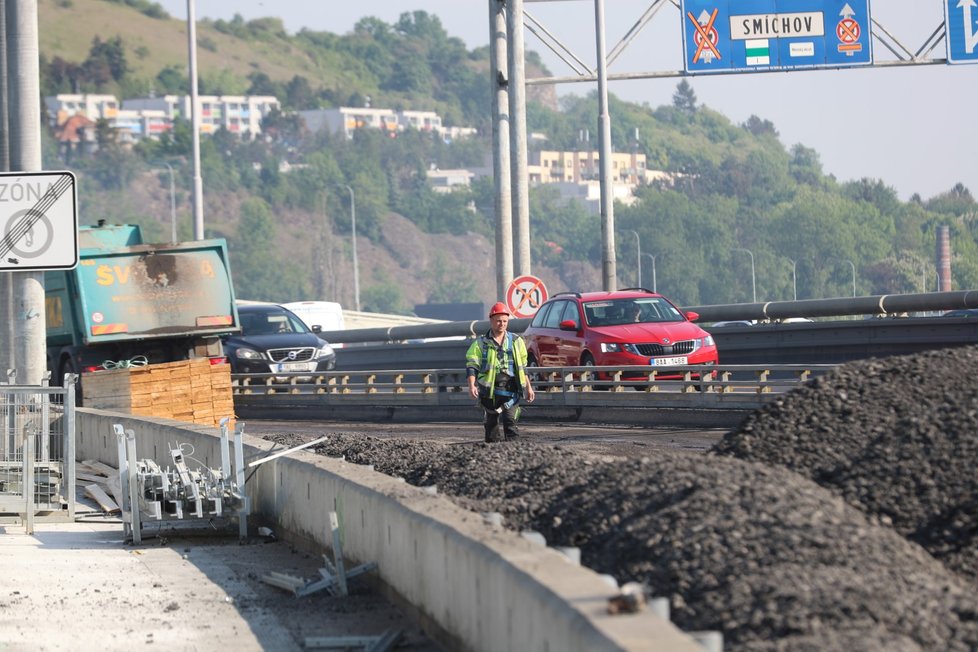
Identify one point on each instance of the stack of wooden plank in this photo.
(195, 391)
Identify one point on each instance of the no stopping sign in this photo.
(525, 295)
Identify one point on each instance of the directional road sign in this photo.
(961, 19)
(760, 35)
(525, 295)
(38, 221)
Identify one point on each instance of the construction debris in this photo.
(333, 577)
(383, 643)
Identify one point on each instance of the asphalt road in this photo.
(615, 440)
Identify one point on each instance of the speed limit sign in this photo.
(525, 295)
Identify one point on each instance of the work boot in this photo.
(493, 435)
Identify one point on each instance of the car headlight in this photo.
(611, 347)
(700, 342)
(325, 351)
(248, 354)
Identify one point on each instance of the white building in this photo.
(239, 114)
(346, 120)
(448, 180)
(133, 126)
(94, 107)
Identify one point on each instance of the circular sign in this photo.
(847, 30)
(30, 233)
(525, 295)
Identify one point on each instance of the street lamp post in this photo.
(638, 256)
(753, 278)
(853, 276)
(794, 280)
(356, 264)
(654, 288)
(173, 204)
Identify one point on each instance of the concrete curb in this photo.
(486, 588)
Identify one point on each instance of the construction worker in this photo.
(496, 371)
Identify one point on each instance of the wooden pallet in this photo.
(190, 390)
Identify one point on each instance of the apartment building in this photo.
(239, 114)
(346, 120)
(579, 166)
(94, 107)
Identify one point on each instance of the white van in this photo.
(327, 315)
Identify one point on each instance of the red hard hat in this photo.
(498, 308)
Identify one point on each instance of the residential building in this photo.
(94, 107)
(239, 114)
(555, 167)
(448, 180)
(133, 126)
(346, 120)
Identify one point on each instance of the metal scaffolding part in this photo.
(151, 493)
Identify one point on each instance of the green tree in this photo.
(684, 99)
(261, 271)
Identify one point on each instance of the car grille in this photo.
(676, 348)
(286, 355)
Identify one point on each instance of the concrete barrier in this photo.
(483, 587)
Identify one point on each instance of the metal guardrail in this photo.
(819, 342)
(745, 387)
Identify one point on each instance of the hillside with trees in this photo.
(282, 201)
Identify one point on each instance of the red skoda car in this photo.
(627, 327)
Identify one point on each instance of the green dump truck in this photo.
(128, 302)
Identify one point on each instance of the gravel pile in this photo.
(896, 438)
(760, 553)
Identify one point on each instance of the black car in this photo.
(274, 340)
(971, 313)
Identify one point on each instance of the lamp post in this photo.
(654, 289)
(853, 276)
(173, 204)
(794, 279)
(195, 121)
(638, 256)
(753, 278)
(356, 264)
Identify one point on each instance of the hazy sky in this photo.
(916, 128)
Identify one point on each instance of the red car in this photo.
(627, 327)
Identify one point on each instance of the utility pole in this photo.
(195, 121)
(24, 117)
(609, 261)
(500, 140)
(517, 136)
(6, 287)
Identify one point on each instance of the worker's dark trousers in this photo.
(495, 418)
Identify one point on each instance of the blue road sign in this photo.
(961, 20)
(759, 35)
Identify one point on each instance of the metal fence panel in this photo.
(37, 452)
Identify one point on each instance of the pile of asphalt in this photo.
(757, 551)
(897, 438)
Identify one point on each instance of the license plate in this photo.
(296, 366)
(668, 362)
